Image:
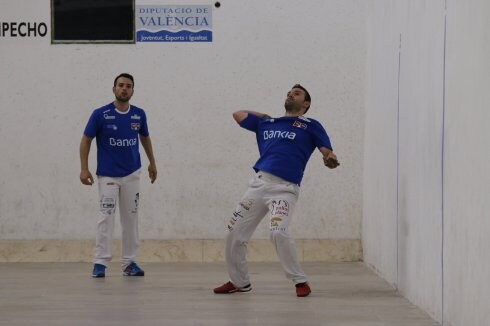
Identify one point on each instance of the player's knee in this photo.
(233, 239)
(278, 235)
(107, 206)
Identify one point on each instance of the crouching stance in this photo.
(285, 146)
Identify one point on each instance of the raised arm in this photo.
(239, 116)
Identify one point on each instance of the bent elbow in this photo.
(239, 116)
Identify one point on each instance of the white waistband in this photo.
(271, 177)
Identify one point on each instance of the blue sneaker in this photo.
(99, 270)
(133, 270)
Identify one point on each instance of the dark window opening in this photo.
(92, 21)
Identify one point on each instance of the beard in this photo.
(123, 98)
(291, 107)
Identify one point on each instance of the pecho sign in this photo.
(174, 23)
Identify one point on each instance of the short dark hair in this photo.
(307, 95)
(125, 75)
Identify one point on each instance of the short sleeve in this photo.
(144, 125)
(92, 125)
(321, 136)
(251, 122)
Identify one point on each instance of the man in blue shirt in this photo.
(285, 145)
(118, 128)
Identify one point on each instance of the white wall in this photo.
(379, 227)
(402, 187)
(421, 70)
(260, 49)
(466, 158)
(425, 213)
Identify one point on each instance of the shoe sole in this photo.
(305, 294)
(135, 274)
(242, 290)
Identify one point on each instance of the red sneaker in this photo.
(303, 289)
(230, 288)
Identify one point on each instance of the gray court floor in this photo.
(344, 294)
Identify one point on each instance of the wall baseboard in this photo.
(13, 251)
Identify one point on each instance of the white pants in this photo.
(125, 191)
(266, 193)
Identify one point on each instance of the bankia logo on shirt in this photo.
(174, 23)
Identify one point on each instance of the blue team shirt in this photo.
(286, 144)
(117, 139)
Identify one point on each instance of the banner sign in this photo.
(174, 23)
(23, 29)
